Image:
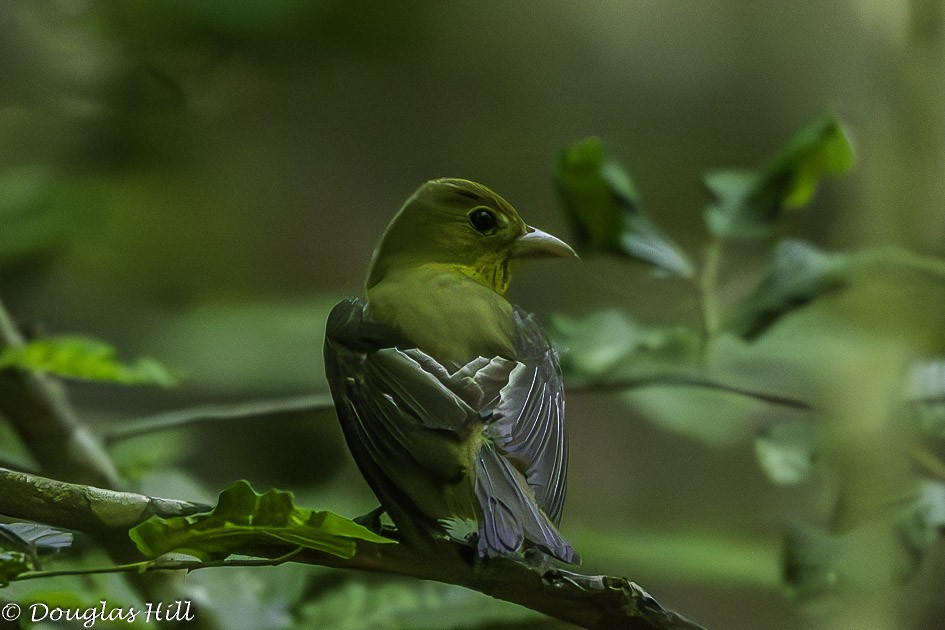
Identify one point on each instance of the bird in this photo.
(450, 398)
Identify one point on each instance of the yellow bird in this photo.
(450, 398)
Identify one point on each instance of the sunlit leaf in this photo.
(243, 518)
(798, 273)
(751, 204)
(604, 207)
(83, 358)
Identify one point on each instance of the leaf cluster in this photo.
(775, 341)
(243, 519)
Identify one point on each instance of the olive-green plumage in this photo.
(450, 397)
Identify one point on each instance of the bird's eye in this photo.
(482, 219)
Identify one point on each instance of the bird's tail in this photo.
(511, 516)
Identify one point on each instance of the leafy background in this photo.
(200, 182)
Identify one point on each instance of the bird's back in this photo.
(447, 315)
(403, 410)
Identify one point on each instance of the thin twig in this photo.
(205, 414)
(687, 380)
(162, 565)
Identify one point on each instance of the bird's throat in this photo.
(493, 274)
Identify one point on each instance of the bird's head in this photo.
(464, 227)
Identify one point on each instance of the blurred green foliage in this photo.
(83, 358)
(200, 182)
(604, 207)
(750, 204)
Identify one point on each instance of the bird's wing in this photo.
(528, 422)
(402, 414)
(389, 404)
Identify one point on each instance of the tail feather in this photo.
(511, 516)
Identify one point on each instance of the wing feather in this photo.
(529, 419)
(408, 420)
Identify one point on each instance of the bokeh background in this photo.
(199, 182)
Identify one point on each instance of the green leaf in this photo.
(604, 207)
(798, 274)
(83, 358)
(12, 564)
(665, 376)
(244, 518)
(750, 205)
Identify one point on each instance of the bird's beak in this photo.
(537, 244)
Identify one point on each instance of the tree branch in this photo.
(595, 602)
(262, 410)
(39, 411)
(687, 380)
(88, 509)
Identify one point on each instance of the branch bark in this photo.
(39, 411)
(591, 601)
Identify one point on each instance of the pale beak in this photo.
(537, 244)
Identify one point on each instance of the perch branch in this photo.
(39, 410)
(596, 602)
(88, 509)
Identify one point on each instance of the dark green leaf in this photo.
(604, 208)
(243, 518)
(83, 358)
(751, 204)
(13, 563)
(798, 274)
